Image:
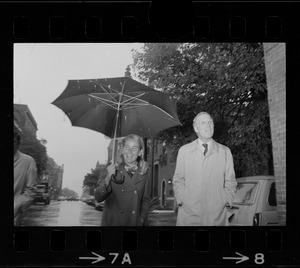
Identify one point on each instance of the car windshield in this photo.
(41, 188)
(245, 193)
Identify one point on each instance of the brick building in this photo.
(24, 121)
(162, 166)
(275, 62)
(24, 118)
(55, 179)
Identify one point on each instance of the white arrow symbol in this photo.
(97, 259)
(241, 259)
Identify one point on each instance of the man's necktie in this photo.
(205, 145)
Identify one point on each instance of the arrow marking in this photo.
(97, 259)
(240, 259)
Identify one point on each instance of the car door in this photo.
(268, 207)
(245, 203)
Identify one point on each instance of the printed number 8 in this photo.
(259, 258)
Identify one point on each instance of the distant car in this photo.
(42, 194)
(255, 202)
(72, 198)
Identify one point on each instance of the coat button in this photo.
(121, 210)
(133, 212)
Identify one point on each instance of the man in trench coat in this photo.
(25, 180)
(204, 179)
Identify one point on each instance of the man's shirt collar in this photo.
(200, 142)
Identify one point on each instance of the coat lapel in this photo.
(128, 180)
(213, 149)
(196, 149)
(137, 177)
(131, 181)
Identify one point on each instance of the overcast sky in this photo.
(41, 73)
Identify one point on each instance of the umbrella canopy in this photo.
(117, 107)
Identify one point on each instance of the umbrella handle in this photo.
(117, 120)
(113, 178)
(113, 152)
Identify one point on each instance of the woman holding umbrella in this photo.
(123, 189)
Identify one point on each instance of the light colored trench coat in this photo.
(25, 180)
(204, 184)
(125, 204)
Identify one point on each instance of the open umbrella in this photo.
(117, 107)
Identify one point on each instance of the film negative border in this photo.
(146, 21)
(135, 22)
(153, 246)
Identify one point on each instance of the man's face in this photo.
(204, 127)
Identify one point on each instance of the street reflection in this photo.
(62, 213)
(78, 213)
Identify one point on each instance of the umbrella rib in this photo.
(106, 91)
(105, 101)
(165, 113)
(133, 98)
(115, 90)
(127, 107)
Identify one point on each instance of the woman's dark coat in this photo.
(125, 204)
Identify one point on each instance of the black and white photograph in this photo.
(149, 134)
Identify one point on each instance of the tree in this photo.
(69, 193)
(35, 148)
(225, 79)
(91, 180)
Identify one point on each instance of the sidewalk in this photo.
(162, 218)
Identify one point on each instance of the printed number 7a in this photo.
(126, 258)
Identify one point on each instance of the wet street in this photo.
(162, 218)
(62, 213)
(78, 213)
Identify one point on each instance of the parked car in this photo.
(42, 193)
(255, 202)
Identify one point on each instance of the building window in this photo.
(155, 182)
(148, 147)
(272, 195)
(155, 146)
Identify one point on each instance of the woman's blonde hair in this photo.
(143, 166)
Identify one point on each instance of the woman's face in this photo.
(131, 151)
